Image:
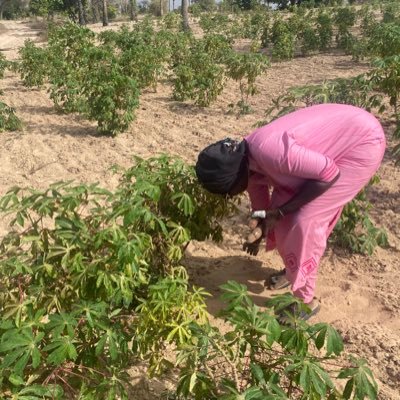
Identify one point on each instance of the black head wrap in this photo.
(221, 165)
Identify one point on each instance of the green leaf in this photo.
(329, 336)
(16, 380)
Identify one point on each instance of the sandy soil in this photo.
(360, 295)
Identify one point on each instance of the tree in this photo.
(185, 15)
(81, 13)
(133, 10)
(94, 7)
(105, 13)
(3, 4)
(12, 8)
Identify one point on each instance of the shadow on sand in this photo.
(211, 273)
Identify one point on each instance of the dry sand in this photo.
(360, 295)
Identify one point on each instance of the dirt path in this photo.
(360, 295)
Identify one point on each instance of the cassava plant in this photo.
(111, 96)
(245, 68)
(355, 230)
(258, 359)
(8, 119)
(33, 64)
(325, 30)
(199, 76)
(345, 19)
(83, 268)
(283, 40)
(4, 64)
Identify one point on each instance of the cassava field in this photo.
(359, 293)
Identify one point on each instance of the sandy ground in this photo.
(360, 295)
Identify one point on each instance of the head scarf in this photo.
(222, 164)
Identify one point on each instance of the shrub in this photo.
(198, 75)
(310, 41)
(355, 231)
(245, 68)
(8, 120)
(33, 65)
(283, 40)
(259, 359)
(345, 19)
(325, 30)
(82, 269)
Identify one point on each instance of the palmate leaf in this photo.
(38, 392)
(94, 312)
(235, 294)
(59, 323)
(184, 203)
(327, 335)
(295, 339)
(253, 321)
(19, 347)
(109, 339)
(63, 349)
(361, 382)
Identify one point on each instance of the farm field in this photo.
(359, 294)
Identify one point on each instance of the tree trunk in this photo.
(173, 5)
(105, 13)
(161, 8)
(81, 13)
(95, 11)
(132, 10)
(185, 15)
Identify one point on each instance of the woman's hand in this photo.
(260, 228)
(271, 218)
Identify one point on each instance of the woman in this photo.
(316, 160)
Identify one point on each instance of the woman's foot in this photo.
(285, 319)
(277, 281)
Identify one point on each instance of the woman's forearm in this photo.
(308, 192)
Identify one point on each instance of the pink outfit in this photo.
(312, 143)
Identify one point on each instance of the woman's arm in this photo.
(308, 192)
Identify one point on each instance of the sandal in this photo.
(285, 319)
(277, 281)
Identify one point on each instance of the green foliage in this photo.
(33, 65)
(355, 231)
(111, 96)
(214, 23)
(85, 271)
(172, 21)
(310, 41)
(384, 40)
(259, 359)
(254, 24)
(143, 53)
(68, 47)
(45, 7)
(325, 30)
(391, 12)
(199, 76)
(386, 78)
(245, 68)
(88, 79)
(355, 91)
(345, 19)
(8, 120)
(4, 64)
(283, 40)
